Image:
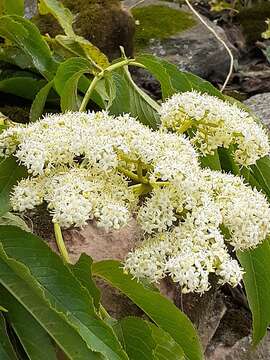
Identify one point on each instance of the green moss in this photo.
(253, 21)
(102, 22)
(159, 22)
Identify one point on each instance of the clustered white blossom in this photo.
(212, 123)
(93, 166)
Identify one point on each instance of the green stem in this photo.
(89, 92)
(132, 176)
(60, 242)
(141, 189)
(139, 171)
(185, 126)
(100, 75)
(134, 63)
(128, 173)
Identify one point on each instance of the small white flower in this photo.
(217, 123)
(28, 194)
(111, 216)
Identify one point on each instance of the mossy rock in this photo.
(159, 22)
(253, 20)
(103, 22)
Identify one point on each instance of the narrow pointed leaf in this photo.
(6, 349)
(67, 80)
(39, 102)
(166, 346)
(13, 7)
(136, 338)
(83, 272)
(130, 98)
(62, 290)
(261, 172)
(26, 86)
(110, 90)
(62, 14)
(12, 219)
(26, 36)
(173, 80)
(15, 56)
(10, 173)
(211, 161)
(67, 69)
(34, 339)
(143, 340)
(121, 101)
(256, 264)
(79, 46)
(165, 314)
(17, 280)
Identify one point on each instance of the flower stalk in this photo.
(101, 75)
(60, 242)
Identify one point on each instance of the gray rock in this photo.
(30, 8)
(260, 104)
(243, 350)
(195, 50)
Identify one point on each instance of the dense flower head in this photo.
(77, 195)
(215, 123)
(93, 166)
(188, 226)
(102, 140)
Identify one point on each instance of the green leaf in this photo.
(83, 272)
(71, 72)
(121, 101)
(173, 80)
(227, 161)
(166, 347)
(10, 173)
(130, 98)
(110, 89)
(15, 56)
(67, 69)
(17, 280)
(145, 341)
(38, 104)
(11, 219)
(211, 161)
(165, 314)
(79, 46)
(62, 290)
(34, 339)
(256, 264)
(27, 37)
(62, 14)
(6, 349)
(13, 7)
(136, 337)
(67, 80)
(26, 87)
(261, 172)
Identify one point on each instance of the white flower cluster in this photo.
(75, 195)
(79, 162)
(100, 140)
(215, 123)
(95, 166)
(192, 221)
